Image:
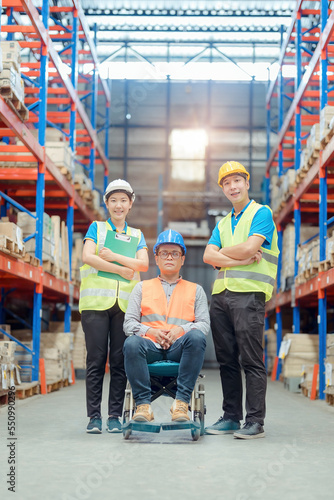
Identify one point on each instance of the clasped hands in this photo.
(164, 337)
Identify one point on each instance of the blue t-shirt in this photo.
(262, 225)
(92, 234)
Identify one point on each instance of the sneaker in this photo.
(143, 413)
(223, 426)
(251, 430)
(94, 426)
(179, 411)
(114, 425)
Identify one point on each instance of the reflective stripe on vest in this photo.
(254, 277)
(156, 313)
(98, 293)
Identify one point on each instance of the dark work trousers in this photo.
(237, 321)
(103, 329)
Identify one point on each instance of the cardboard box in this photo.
(13, 232)
(11, 53)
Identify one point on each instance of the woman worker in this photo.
(104, 300)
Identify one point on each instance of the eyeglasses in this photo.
(175, 254)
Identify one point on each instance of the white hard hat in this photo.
(119, 185)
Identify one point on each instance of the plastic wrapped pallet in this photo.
(9, 374)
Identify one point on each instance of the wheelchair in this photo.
(163, 375)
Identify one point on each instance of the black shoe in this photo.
(251, 430)
(223, 426)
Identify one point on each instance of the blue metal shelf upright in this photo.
(309, 43)
(50, 73)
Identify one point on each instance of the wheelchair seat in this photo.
(164, 369)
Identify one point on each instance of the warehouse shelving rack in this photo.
(44, 188)
(311, 47)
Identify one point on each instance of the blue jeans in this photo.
(188, 350)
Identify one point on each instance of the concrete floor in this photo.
(57, 460)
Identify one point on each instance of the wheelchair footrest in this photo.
(142, 426)
(175, 426)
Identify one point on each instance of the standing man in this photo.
(243, 246)
(167, 319)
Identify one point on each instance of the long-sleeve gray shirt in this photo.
(133, 326)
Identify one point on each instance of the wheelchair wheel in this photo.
(201, 391)
(127, 410)
(199, 414)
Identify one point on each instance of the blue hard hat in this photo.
(170, 236)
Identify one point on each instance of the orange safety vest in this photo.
(156, 313)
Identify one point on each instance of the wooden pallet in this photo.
(11, 247)
(30, 259)
(26, 390)
(19, 108)
(3, 397)
(325, 140)
(49, 267)
(330, 399)
(55, 386)
(66, 173)
(63, 275)
(324, 265)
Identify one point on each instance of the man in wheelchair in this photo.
(167, 319)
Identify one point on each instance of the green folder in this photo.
(123, 244)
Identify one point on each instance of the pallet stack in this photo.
(11, 83)
(79, 346)
(9, 373)
(271, 346)
(330, 374)
(301, 353)
(288, 252)
(56, 350)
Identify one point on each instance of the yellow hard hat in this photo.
(231, 167)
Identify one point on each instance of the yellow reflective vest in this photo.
(254, 277)
(98, 293)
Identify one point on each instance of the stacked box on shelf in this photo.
(10, 77)
(271, 346)
(313, 144)
(282, 188)
(79, 346)
(288, 251)
(326, 130)
(303, 351)
(28, 227)
(79, 352)
(56, 350)
(7, 329)
(330, 367)
(11, 54)
(76, 259)
(12, 232)
(23, 359)
(9, 373)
